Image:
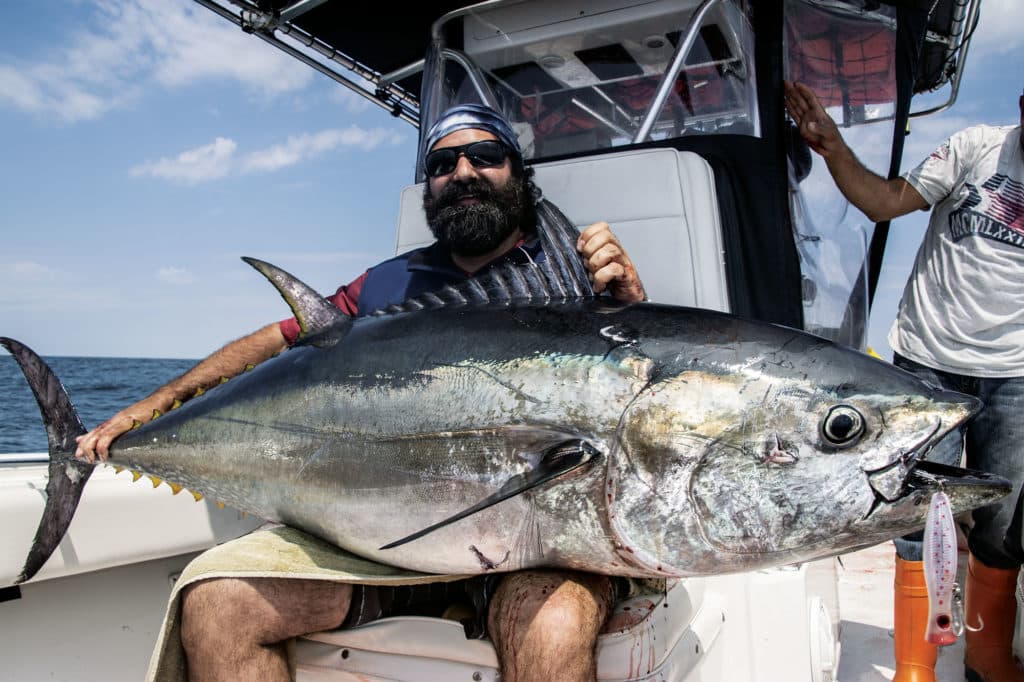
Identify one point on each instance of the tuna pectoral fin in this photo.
(558, 460)
(67, 474)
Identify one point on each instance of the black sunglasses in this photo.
(482, 154)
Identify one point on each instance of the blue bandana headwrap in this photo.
(478, 116)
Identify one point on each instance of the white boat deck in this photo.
(865, 599)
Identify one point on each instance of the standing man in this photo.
(479, 201)
(960, 325)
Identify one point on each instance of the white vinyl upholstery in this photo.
(660, 202)
(647, 638)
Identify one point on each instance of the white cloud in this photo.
(300, 147)
(999, 31)
(35, 90)
(135, 43)
(29, 271)
(349, 100)
(209, 162)
(19, 90)
(172, 275)
(192, 43)
(27, 285)
(218, 159)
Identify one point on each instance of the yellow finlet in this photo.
(196, 495)
(156, 481)
(175, 488)
(220, 505)
(224, 380)
(199, 392)
(176, 404)
(136, 424)
(136, 475)
(117, 469)
(157, 414)
(249, 367)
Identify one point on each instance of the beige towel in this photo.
(277, 553)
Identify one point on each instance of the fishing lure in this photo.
(940, 564)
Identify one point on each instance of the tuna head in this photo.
(761, 453)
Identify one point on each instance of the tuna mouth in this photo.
(888, 482)
(923, 477)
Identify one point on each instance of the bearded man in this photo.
(479, 201)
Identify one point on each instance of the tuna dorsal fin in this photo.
(560, 276)
(314, 313)
(558, 460)
(68, 475)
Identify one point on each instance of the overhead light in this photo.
(654, 42)
(552, 61)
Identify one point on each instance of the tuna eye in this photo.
(843, 426)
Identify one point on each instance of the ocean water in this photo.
(98, 387)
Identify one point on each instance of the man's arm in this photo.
(878, 198)
(229, 361)
(609, 264)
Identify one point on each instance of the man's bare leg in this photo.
(237, 629)
(545, 624)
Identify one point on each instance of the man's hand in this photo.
(816, 127)
(609, 265)
(97, 442)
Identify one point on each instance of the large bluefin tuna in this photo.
(641, 440)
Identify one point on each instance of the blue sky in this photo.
(148, 144)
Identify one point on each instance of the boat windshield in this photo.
(579, 77)
(845, 52)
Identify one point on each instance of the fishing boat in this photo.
(663, 118)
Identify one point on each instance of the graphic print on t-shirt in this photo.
(995, 210)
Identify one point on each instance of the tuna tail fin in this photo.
(558, 460)
(314, 313)
(67, 475)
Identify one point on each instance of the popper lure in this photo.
(940, 564)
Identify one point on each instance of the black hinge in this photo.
(10, 593)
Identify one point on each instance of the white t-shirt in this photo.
(963, 306)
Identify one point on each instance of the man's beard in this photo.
(477, 229)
